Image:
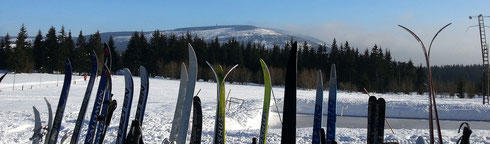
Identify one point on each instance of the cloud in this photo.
(452, 46)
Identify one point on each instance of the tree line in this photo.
(162, 54)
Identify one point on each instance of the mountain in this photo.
(242, 33)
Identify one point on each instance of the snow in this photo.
(242, 116)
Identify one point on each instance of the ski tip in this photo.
(294, 47)
(126, 71)
(197, 99)
(142, 69)
(333, 71)
(92, 53)
(67, 61)
(191, 50)
(372, 98)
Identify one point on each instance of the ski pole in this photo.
(385, 119)
(275, 102)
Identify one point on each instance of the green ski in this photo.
(219, 126)
(267, 101)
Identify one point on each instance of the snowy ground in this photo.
(243, 118)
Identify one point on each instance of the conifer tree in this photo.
(81, 58)
(39, 53)
(116, 57)
(132, 55)
(3, 55)
(95, 43)
(23, 52)
(52, 48)
(63, 51)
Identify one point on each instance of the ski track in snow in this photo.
(242, 116)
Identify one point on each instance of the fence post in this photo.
(13, 84)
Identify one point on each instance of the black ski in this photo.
(196, 121)
(371, 119)
(289, 117)
(322, 136)
(380, 120)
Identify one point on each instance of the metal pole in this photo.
(13, 84)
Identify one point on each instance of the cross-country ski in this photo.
(241, 72)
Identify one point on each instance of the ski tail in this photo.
(267, 101)
(61, 104)
(332, 105)
(180, 103)
(196, 121)
(140, 111)
(317, 120)
(128, 97)
(288, 133)
(86, 99)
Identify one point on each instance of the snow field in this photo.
(242, 116)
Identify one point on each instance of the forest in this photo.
(162, 54)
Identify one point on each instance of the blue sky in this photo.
(362, 23)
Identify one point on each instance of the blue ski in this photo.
(128, 98)
(332, 105)
(53, 134)
(317, 120)
(97, 105)
(86, 98)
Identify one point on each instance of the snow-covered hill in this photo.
(242, 33)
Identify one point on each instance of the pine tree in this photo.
(95, 43)
(3, 55)
(70, 45)
(116, 57)
(52, 48)
(23, 60)
(81, 59)
(63, 51)
(131, 57)
(143, 51)
(157, 48)
(39, 53)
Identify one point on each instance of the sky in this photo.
(362, 23)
